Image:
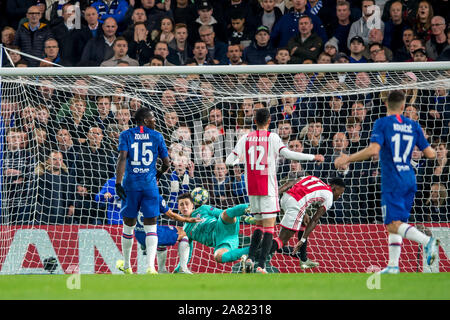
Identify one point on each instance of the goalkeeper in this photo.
(218, 229)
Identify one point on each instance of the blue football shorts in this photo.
(167, 236)
(396, 206)
(146, 201)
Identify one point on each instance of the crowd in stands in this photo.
(77, 133)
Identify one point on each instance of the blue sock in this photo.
(234, 255)
(237, 211)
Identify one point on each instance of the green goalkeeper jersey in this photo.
(204, 231)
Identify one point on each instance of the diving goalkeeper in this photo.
(219, 229)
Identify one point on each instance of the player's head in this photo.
(262, 117)
(338, 187)
(396, 101)
(145, 117)
(185, 204)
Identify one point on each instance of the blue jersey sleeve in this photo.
(421, 142)
(163, 208)
(377, 133)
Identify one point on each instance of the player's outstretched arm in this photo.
(309, 228)
(174, 216)
(429, 152)
(364, 154)
(232, 159)
(298, 156)
(165, 165)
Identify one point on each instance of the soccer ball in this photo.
(200, 196)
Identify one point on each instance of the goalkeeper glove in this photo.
(120, 191)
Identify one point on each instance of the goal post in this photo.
(60, 137)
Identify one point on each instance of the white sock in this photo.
(161, 257)
(395, 247)
(127, 244)
(411, 233)
(183, 252)
(151, 244)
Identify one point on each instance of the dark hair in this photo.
(395, 99)
(186, 195)
(141, 114)
(157, 57)
(337, 182)
(262, 116)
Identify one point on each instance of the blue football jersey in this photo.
(144, 146)
(397, 135)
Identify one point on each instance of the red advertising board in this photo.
(93, 249)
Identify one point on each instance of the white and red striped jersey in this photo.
(260, 149)
(312, 193)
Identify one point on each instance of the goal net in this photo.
(59, 139)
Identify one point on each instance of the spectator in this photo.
(104, 116)
(107, 195)
(269, 15)
(437, 205)
(313, 139)
(359, 110)
(116, 9)
(356, 139)
(260, 51)
(217, 50)
(402, 54)
(360, 27)
(140, 47)
(395, 26)
(16, 10)
(51, 50)
(282, 56)
(138, 16)
(357, 48)
(445, 55)
(183, 11)
(177, 181)
(66, 33)
(376, 36)
(123, 118)
(234, 54)
(65, 145)
(422, 21)
(56, 201)
(239, 33)
(331, 48)
(238, 187)
(305, 45)
(166, 30)
(287, 26)
(438, 39)
(206, 16)
(8, 35)
(100, 49)
(219, 187)
(154, 14)
(120, 48)
(18, 166)
(171, 121)
(94, 167)
(200, 55)
(162, 49)
(179, 45)
(31, 35)
(334, 114)
(420, 55)
(339, 28)
(77, 122)
(287, 110)
(414, 45)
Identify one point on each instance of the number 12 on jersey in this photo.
(256, 156)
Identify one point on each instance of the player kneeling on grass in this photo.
(219, 229)
(306, 194)
(167, 236)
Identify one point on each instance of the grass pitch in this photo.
(302, 286)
